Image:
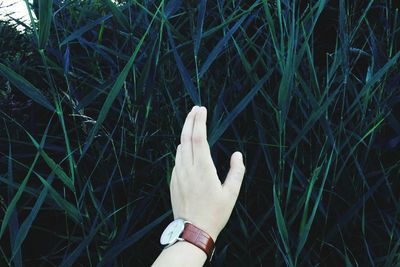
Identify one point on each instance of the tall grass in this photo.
(92, 109)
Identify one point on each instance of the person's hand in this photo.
(197, 194)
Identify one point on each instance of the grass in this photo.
(94, 94)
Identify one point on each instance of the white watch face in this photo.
(172, 232)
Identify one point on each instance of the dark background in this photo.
(120, 183)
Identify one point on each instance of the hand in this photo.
(197, 194)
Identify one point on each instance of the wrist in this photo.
(212, 232)
(205, 225)
(183, 230)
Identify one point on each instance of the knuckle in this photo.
(205, 163)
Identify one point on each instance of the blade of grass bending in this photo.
(324, 122)
(287, 75)
(25, 87)
(137, 213)
(50, 162)
(55, 167)
(257, 226)
(307, 227)
(70, 155)
(374, 79)
(146, 76)
(353, 210)
(309, 190)
(355, 146)
(271, 27)
(14, 224)
(90, 97)
(361, 19)
(27, 224)
(84, 29)
(311, 120)
(116, 249)
(370, 253)
(187, 81)
(99, 160)
(82, 245)
(220, 45)
(117, 14)
(390, 258)
(11, 207)
(200, 21)
(171, 7)
(280, 221)
(220, 129)
(31, 191)
(45, 19)
(290, 185)
(71, 211)
(32, 20)
(218, 107)
(263, 141)
(115, 91)
(344, 38)
(71, 258)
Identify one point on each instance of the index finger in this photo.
(186, 138)
(201, 149)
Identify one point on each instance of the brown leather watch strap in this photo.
(199, 238)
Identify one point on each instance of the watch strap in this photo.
(199, 238)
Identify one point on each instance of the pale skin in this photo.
(197, 194)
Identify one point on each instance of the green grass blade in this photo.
(70, 209)
(220, 129)
(13, 222)
(115, 91)
(83, 29)
(25, 87)
(117, 14)
(27, 224)
(12, 205)
(45, 20)
(220, 45)
(50, 162)
(115, 250)
(317, 113)
(307, 227)
(280, 221)
(375, 79)
(187, 81)
(201, 9)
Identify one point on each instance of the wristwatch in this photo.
(182, 230)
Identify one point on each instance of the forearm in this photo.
(181, 254)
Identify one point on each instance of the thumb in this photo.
(235, 175)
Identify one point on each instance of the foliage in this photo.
(307, 90)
